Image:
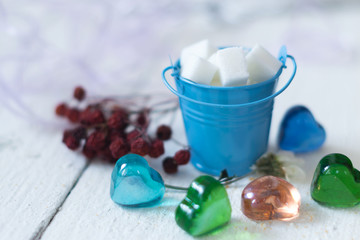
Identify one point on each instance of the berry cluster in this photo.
(111, 132)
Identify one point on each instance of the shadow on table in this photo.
(235, 230)
(167, 203)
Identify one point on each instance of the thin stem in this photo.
(179, 143)
(235, 179)
(173, 117)
(176, 187)
(165, 110)
(225, 181)
(164, 102)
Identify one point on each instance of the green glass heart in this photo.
(205, 207)
(336, 183)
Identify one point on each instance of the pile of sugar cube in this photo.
(202, 63)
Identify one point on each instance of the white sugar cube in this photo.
(232, 66)
(216, 81)
(213, 58)
(198, 70)
(201, 49)
(261, 65)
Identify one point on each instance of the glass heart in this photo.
(336, 183)
(299, 131)
(134, 183)
(270, 198)
(205, 207)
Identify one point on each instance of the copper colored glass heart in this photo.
(270, 198)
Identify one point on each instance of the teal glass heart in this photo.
(134, 183)
(299, 131)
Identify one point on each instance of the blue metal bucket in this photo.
(227, 127)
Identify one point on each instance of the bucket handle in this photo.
(231, 105)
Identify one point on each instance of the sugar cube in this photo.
(201, 49)
(232, 66)
(261, 65)
(216, 81)
(198, 70)
(213, 58)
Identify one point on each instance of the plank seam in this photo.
(38, 235)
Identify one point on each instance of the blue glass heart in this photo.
(299, 131)
(134, 183)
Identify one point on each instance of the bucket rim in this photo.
(271, 97)
(176, 74)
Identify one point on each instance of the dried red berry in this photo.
(140, 146)
(123, 111)
(156, 149)
(170, 165)
(163, 132)
(79, 133)
(72, 138)
(88, 153)
(114, 134)
(182, 157)
(106, 155)
(96, 141)
(142, 118)
(91, 116)
(93, 106)
(133, 135)
(61, 109)
(119, 148)
(118, 120)
(79, 93)
(73, 114)
(70, 141)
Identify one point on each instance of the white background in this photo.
(115, 48)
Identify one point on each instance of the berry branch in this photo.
(109, 128)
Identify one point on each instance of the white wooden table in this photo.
(49, 192)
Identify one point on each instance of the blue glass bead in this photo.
(299, 131)
(134, 183)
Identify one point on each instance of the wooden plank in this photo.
(89, 213)
(37, 173)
